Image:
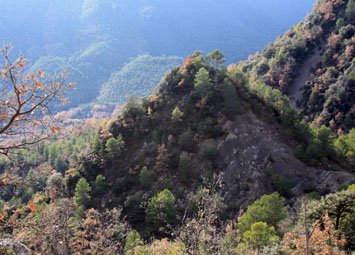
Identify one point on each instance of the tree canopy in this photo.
(82, 196)
(269, 208)
(203, 82)
(161, 209)
(215, 58)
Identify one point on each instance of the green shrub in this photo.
(180, 192)
(245, 186)
(260, 235)
(82, 190)
(339, 23)
(203, 84)
(113, 149)
(100, 184)
(314, 152)
(151, 149)
(161, 209)
(282, 184)
(262, 68)
(231, 100)
(133, 207)
(187, 141)
(133, 241)
(310, 188)
(97, 146)
(342, 187)
(146, 177)
(215, 58)
(350, 11)
(211, 153)
(185, 168)
(269, 208)
(314, 195)
(176, 115)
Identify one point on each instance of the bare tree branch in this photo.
(25, 103)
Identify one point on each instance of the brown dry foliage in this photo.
(100, 233)
(25, 101)
(190, 60)
(325, 240)
(162, 159)
(49, 231)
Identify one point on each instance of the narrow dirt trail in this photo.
(295, 90)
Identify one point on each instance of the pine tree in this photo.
(113, 150)
(350, 11)
(97, 146)
(203, 83)
(146, 177)
(177, 115)
(82, 190)
(260, 235)
(161, 209)
(269, 208)
(215, 58)
(100, 183)
(133, 241)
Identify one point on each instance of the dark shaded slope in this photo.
(246, 141)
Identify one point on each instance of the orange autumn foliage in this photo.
(333, 41)
(25, 103)
(188, 62)
(32, 206)
(325, 240)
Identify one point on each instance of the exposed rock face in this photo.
(15, 247)
(254, 152)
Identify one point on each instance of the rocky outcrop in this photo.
(14, 247)
(254, 152)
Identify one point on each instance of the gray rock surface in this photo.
(251, 155)
(15, 247)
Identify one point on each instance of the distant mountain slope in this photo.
(138, 77)
(97, 37)
(313, 63)
(157, 27)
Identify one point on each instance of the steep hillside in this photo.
(313, 64)
(216, 161)
(202, 156)
(204, 120)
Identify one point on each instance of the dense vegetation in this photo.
(145, 164)
(34, 168)
(321, 48)
(158, 178)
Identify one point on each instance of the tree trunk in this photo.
(306, 228)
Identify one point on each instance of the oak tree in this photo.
(25, 103)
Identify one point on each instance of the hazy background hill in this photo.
(96, 38)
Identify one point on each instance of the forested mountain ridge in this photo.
(203, 122)
(313, 63)
(185, 161)
(96, 38)
(214, 162)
